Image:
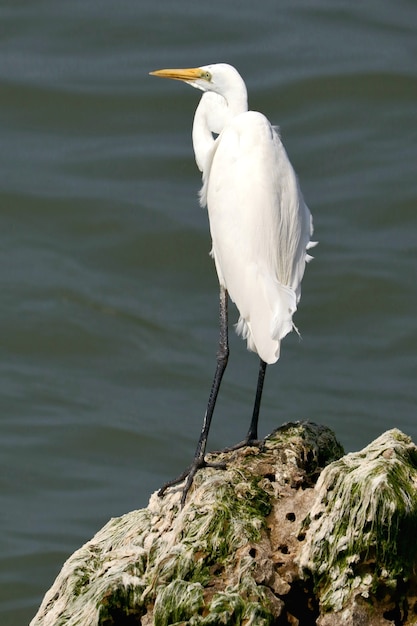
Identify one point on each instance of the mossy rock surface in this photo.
(248, 548)
(361, 531)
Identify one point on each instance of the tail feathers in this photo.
(311, 244)
(268, 319)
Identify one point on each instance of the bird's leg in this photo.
(252, 435)
(251, 438)
(222, 358)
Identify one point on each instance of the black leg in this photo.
(222, 358)
(252, 435)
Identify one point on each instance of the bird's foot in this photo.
(189, 474)
(248, 442)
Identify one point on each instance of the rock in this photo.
(273, 539)
(361, 543)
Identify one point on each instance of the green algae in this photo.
(209, 536)
(185, 603)
(179, 601)
(236, 513)
(360, 528)
(120, 605)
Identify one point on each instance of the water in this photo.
(109, 298)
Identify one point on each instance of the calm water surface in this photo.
(109, 314)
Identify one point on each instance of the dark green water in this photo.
(109, 298)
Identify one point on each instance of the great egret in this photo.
(259, 223)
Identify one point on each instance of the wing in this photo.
(260, 227)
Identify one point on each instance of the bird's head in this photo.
(218, 77)
(199, 77)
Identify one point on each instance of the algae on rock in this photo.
(258, 543)
(362, 525)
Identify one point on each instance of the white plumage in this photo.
(259, 222)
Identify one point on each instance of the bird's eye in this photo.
(207, 76)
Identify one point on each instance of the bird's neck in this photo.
(212, 115)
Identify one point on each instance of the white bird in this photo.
(259, 223)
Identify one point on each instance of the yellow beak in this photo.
(192, 73)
